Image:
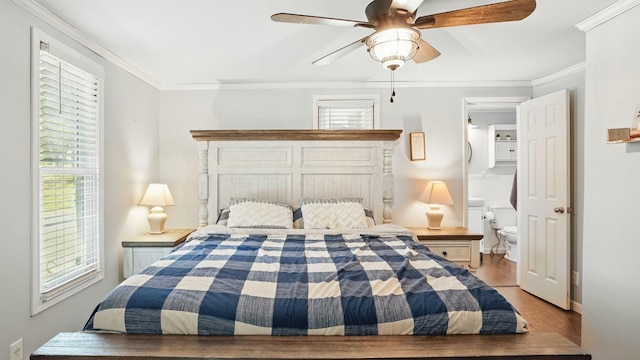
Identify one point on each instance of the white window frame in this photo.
(41, 300)
(363, 98)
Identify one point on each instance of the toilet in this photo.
(505, 222)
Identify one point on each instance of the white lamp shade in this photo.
(157, 195)
(435, 194)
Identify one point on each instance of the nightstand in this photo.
(456, 244)
(144, 249)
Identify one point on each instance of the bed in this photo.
(237, 281)
(296, 238)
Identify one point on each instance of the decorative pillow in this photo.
(223, 217)
(298, 221)
(346, 213)
(248, 213)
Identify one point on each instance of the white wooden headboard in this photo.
(288, 165)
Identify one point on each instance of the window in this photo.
(350, 112)
(67, 169)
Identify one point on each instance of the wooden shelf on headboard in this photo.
(258, 135)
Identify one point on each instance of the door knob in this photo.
(559, 210)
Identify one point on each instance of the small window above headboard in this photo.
(346, 112)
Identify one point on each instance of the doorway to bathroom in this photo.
(489, 177)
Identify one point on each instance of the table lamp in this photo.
(157, 195)
(435, 194)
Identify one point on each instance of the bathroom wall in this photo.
(491, 184)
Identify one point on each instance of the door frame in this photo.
(483, 102)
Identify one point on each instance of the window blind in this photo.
(68, 174)
(345, 114)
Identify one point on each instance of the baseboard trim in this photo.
(576, 306)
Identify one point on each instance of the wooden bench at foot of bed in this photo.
(119, 346)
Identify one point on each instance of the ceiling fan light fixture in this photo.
(392, 47)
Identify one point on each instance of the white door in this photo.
(544, 198)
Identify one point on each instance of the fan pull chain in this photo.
(393, 88)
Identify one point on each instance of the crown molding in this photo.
(344, 85)
(607, 14)
(559, 74)
(73, 33)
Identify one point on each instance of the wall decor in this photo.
(417, 146)
(626, 135)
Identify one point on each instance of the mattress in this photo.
(376, 281)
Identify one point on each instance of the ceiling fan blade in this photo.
(425, 52)
(504, 11)
(317, 20)
(409, 5)
(328, 59)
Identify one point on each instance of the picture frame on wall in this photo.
(417, 146)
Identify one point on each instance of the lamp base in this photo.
(434, 217)
(157, 218)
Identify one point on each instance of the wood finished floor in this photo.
(495, 270)
(540, 315)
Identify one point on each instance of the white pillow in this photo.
(333, 214)
(258, 214)
(298, 221)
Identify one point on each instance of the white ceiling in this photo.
(187, 42)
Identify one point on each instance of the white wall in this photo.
(611, 295)
(436, 111)
(131, 134)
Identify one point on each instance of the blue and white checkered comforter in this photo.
(304, 284)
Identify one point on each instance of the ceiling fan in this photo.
(397, 36)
